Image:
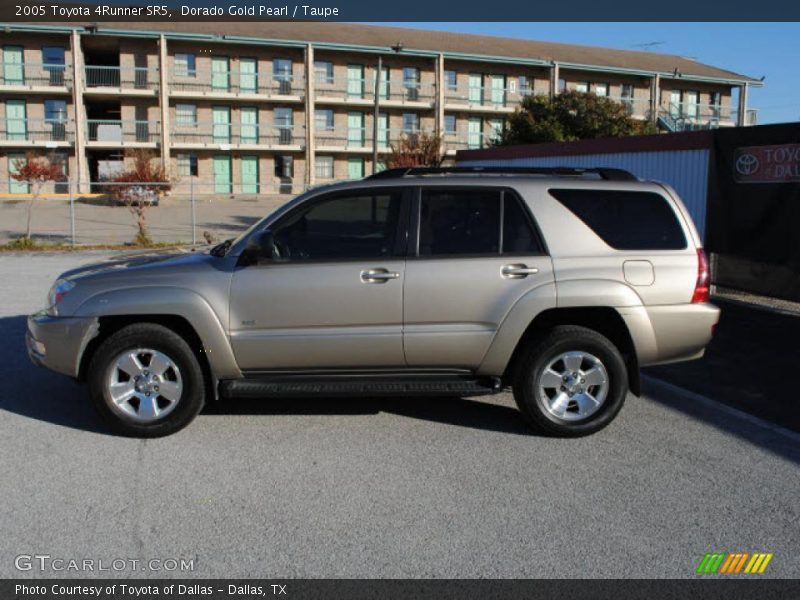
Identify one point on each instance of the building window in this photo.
(323, 71)
(451, 80)
(601, 89)
(282, 73)
(410, 123)
(185, 65)
(187, 165)
(627, 97)
(186, 115)
(284, 167)
(524, 86)
(284, 122)
(449, 124)
(324, 167)
(411, 82)
(716, 104)
(562, 85)
(53, 59)
(323, 119)
(582, 87)
(55, 115)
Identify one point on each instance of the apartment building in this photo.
(255, 107)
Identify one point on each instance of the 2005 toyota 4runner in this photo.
(560, 283)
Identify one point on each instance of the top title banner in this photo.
(409, 10)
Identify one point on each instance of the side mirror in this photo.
(260, 248)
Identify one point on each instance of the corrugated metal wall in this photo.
(684, 170)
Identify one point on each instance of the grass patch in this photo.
(31, 245)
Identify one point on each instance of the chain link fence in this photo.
(108, 213)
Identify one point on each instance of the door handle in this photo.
(519, 271)
(378, 275)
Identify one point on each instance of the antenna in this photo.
(648, 45)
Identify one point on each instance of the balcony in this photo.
(484, 98)
(357, 139)
(115, 81)
(466, 140)
(690, 116)
(227, 136)
(28, 133)
(360, 92)
(25, 78)
(108, 133)
(234, 85)
(637, 108)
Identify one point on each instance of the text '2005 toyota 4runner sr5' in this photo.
(560, 283)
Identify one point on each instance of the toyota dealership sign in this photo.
(767, 164)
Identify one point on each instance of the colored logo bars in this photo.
(734, 563)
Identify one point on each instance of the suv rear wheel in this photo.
(145, 381)
(570, 382)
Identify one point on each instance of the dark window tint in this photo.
(363, 226)
(626, 220)
(519, 236)
(459, 222)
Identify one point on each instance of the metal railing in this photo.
(359, 138)
(688, 116)
(36, 130)
(465, 140)
(236, 82)
(484, 96)
(31, 75)
(113, 132)
(239, 134)
(634, 107)
(135, 78)
(345, 88)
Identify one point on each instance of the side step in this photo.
(297, 386)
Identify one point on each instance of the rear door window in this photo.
(474, 221)
(626, 220)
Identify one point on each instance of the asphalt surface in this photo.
(381, 488)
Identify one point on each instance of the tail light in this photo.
(701, 289)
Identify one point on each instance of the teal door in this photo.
(248, 121)
(220, 74)
(383, 130)
(474, 133)
(221, 124)
(385, 87)
(14, 186)
(355, 168)
(13, 68)
(249, 174)
(248, 75)
(222, 174)
(475, 88)
(355, 129)
(16, 123)
(355, 81)
(497, 126)
(498, 89)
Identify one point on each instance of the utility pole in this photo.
(376, 115)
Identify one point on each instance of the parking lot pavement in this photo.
(382, 488)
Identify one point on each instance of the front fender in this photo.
(168, 300)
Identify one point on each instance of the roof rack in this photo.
(604, 173)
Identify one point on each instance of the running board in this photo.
(296, 386)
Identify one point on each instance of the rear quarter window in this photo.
(626, 220)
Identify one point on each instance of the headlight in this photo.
(60, 289)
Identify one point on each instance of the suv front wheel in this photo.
(145, 381)
(570, 382)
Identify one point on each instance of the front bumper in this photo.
(57, 343)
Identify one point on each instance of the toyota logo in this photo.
(746, 164)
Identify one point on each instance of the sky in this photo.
(771, 50)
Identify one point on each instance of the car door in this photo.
(330, 296)
(476, 251)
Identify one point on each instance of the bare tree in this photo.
(36, 171)
(139, 187)
(416, 150)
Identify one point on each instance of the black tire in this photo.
(541, 352)
(161, 339)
